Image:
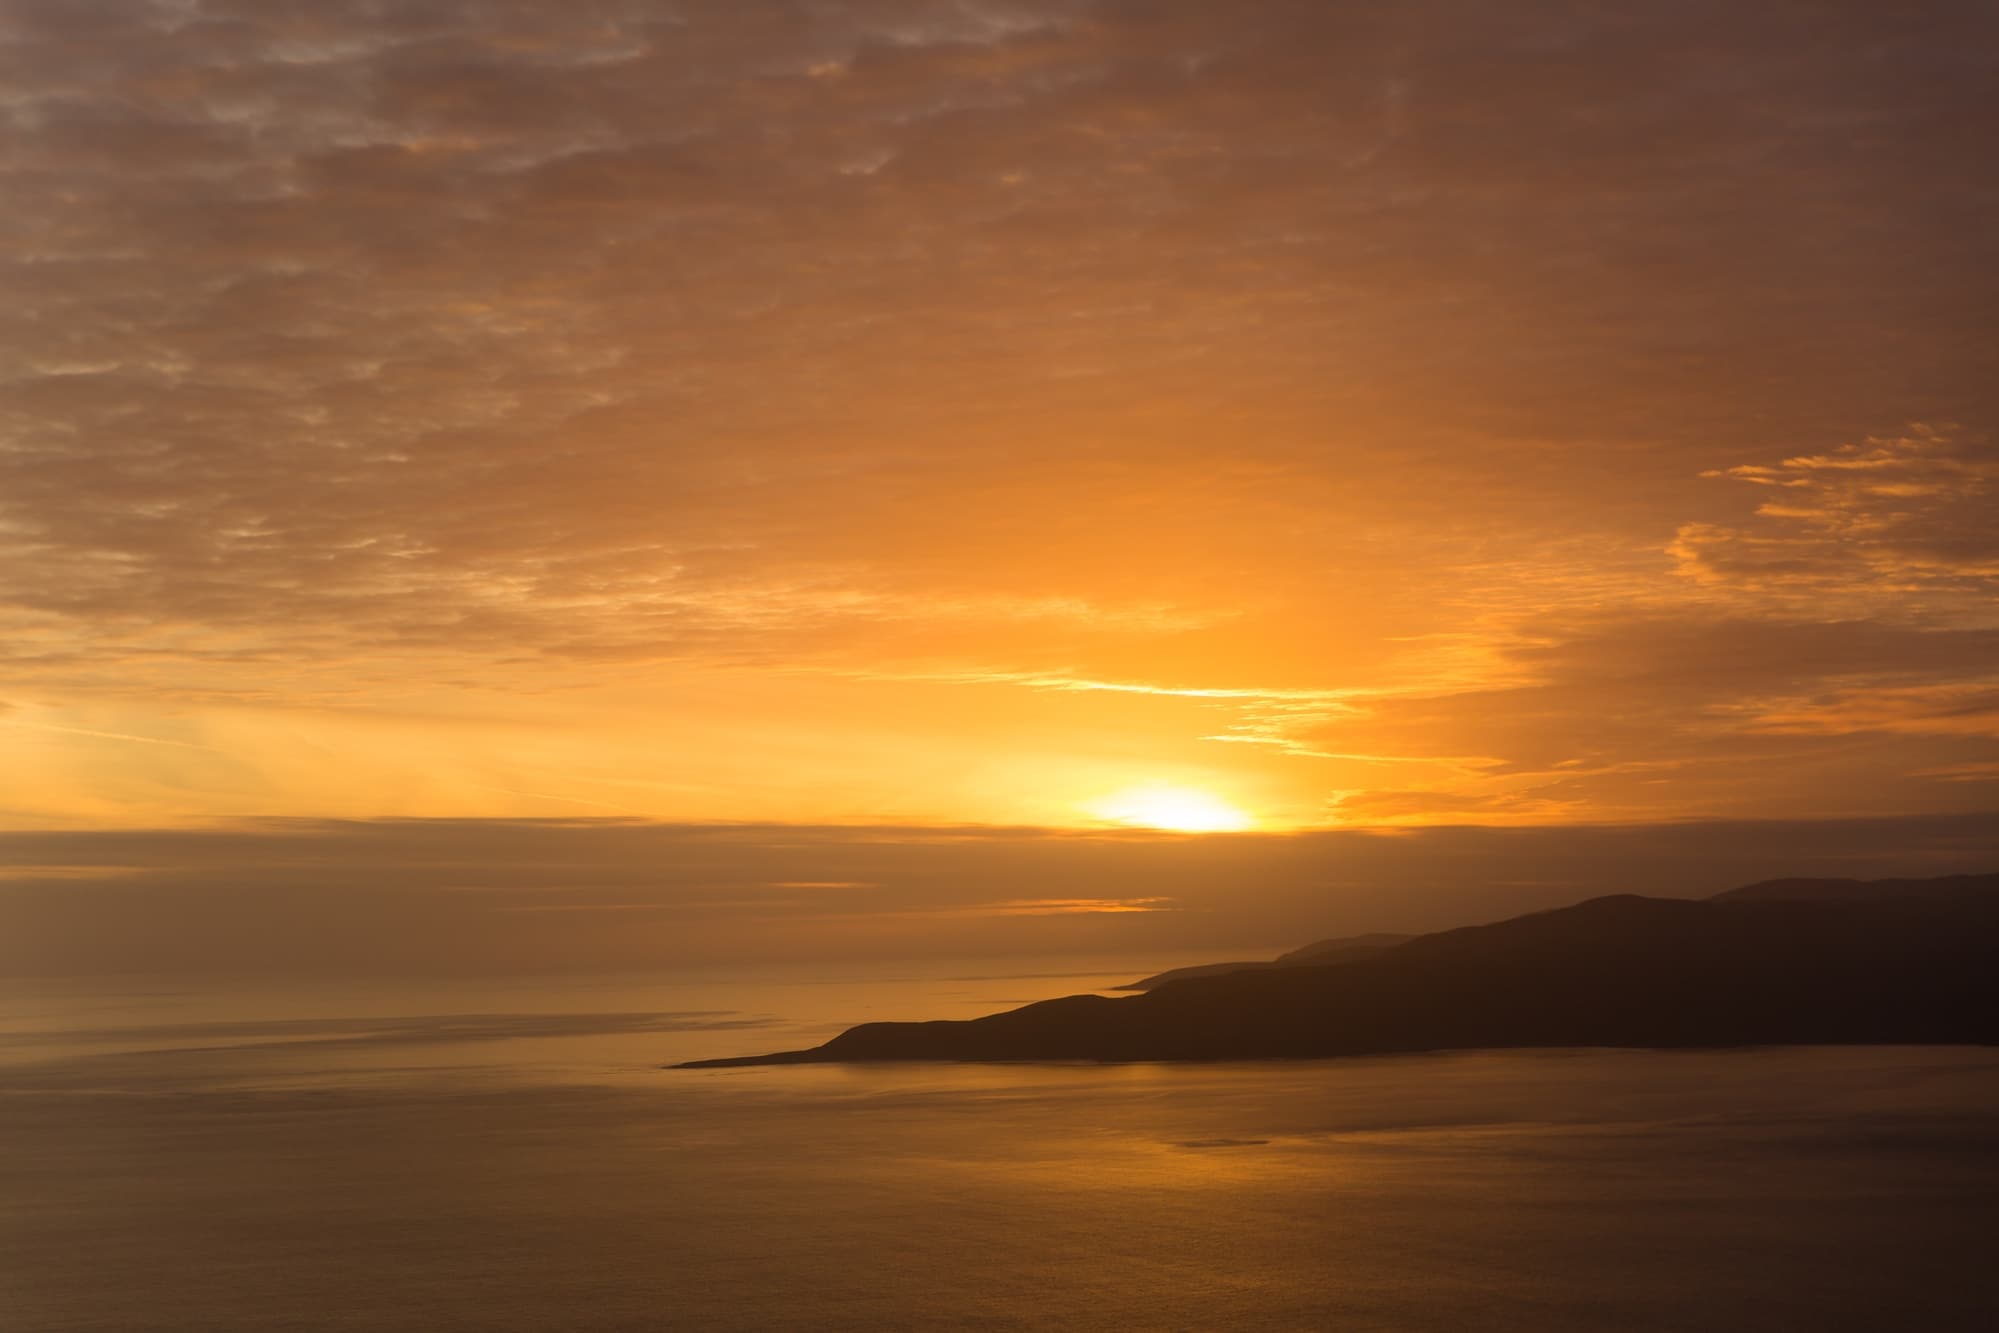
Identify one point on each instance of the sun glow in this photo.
(1179, 809)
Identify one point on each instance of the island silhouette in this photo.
(1781, 962)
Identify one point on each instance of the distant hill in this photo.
(1340, 950)
(1319, 954)
(1821, 890)
(1893, 961)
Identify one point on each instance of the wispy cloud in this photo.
(1888, 525)
(442, 896)
(942, 411)
(93, 734)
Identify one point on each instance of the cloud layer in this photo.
(956, 411)
(483, 895)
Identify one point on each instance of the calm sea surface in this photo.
(472, 1155)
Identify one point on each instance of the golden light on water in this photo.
(1177, 809)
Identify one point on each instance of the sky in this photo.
(929, 414)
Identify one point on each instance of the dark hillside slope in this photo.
(1616, 971)
(1824, 890)
(1321, 953)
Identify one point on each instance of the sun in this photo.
(1179, 809)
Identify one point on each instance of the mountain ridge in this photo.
(1318, 953)
(1890, 961)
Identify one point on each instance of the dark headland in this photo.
(1778, 963)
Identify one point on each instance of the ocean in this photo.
(471, 1154)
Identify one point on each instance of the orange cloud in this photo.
(934, 414)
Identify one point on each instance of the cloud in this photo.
(1956, 709)
(459, 327)
(1628, 712)
(1884, 524)
(445, 896)
(97, 735)
(1319, 379)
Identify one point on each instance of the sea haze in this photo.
(477, 1155)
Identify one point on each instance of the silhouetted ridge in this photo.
(1820, 890)
(1319, 954)
(1756, 966)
